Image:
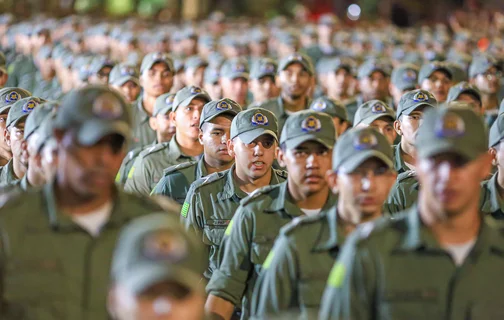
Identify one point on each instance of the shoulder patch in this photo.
(185, 210)
(155, 148)
(210, 178)
(281, 173)
(406, 175)
(337, 275)
(300, 221)
(179, 166)
(256, 194)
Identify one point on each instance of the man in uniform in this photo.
(436, 77)
(423, 263)
(340, 80)
(184, 146)
(234, 75)
(409, 117)
(156, 270)
(8, 96)
(45, 84)
(380, 116)
(336, 110)
(212, 84)
(73, 221)
(262, 81)
(212, 201)
(305, 149)
(303, 254)
(215, 125)
(296, 77)
(404, 78)
(124, 78)
(468, 93)
(99, 70)
(194, 71)
(15, 169)
(156, 78)
(486, 75)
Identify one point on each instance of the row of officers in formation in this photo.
(346, 190)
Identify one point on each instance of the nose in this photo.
(312, 161)
(224, 138)
(259, 149)
(445, 171)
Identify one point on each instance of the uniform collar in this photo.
(142, 115)
(399, 163)
(231, 189)
(282, 111)
(496, 202)
(174, 149)
(201, 170)
(331, 235)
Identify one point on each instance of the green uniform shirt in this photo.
(276, 106)
(7, 175)
(51, 268)
(396, 269)
(22, 67)
(149, 165)
(49, 90)
(210, 204)
(297, 268)
(128, 162)
(142, 132)
(178, 179)
(491, 201)
(399, 164)
(352, 105)
(404, 193)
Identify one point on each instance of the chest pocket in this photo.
(411, 304)
(212, 237)
(261, 246)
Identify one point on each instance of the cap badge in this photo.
(319, 105)
(223, 105)
(311, 124)
(420, 97)
(259, 119)
(159, 56)
(169, 99)
(378, 108)
(107, 106)
(196, 90)
(296, 57)
(164, 245)
(365, 141)
(239, 67)
(127, 71)
(28, 107)
(450, 126)
(12, 97)
(410, 75)
(269, 68)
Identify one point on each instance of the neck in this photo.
(73, 203)
(212, 165)
(337, 96)
(407, 151)
(461, 228)
(248, 184)
(294, 104)
(148, 103)
(349, 216)
(189, 146)
(19, 169)
(5, 156)
(311, 201)
(489, 101)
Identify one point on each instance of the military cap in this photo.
(179, 65)
(262, 68)
(122, 73)
(413, 57)
(429, 68)
(163, 104)
(452, 129)
(9, 95)
(373, 65)
(372, 110)
(154, 57)
(253, 123)
(331, 107)
(194, 62)
(433, 56)
(35, 118)
(156, 248)
(297, 57)
(234, 68)
(335, 64)
(412, 100)
(405, 76)
(185, 95)
(482, 64)
(94, 112)
(211, 75)
(308, 125)
(213, 109)
(287, 38)
(458, 72)
(258, 35)
(45, 131)
(501, 107)
(83, 64)
(463, 87)
(496, 131)
(98, 63)
(21, 109)
(215, 59)
(357, 145)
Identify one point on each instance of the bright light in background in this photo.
(353, 12)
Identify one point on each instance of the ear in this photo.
(58, 135)
(332, 180)
(24, 146)
(230, 147)
(487, 165)
(7, 136)
(493, 153)
(397, 127)
(200, 136)
(153, 123)
(344, 126)
(173, 117)
(280, 155)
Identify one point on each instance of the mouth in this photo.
(258, 165)
(313, 178)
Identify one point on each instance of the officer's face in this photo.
(130, 91)
(214, 90)
(489, 82)
(263, 88)
(14, 138)
(3, 118)
(194, 77)
(157, 80)
(101, 77)
(363, 191)
(187, 119)
(235, 89)
(89, 170)
(438, 84)
(450, 183)
(383, 125)
(255, 159)
(407, 126)
(339, 82)
(214, 136)
(375, 86)
(295, 81)
(165, 301)
(473, 101)
(164, 127)
(340, 126)
(307, 165)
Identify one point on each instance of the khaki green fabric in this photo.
(67, 273)
(293, 278)
(399, 164)
(142, 132)
(404, 193)
(177, 180)
(209, 206)
(46, 89)
(148, 167)
(7, 175)
(128, 162)
(491, 200)
(396, 269)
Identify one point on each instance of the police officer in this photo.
(296, 77)
(124, 78)
(74, 220)
(15, 169)
(409, 117)
(184, 146)
(100, 69)
(376, 114)
(262, 81)
(252, 143)
(215, 125)
(212, 84)
(306, 249)
(234, 75)
(437, 249)
(404, 78)
(336, 110)
(194, 71)
(340, 80)
(437, 78)
(156, 78)
(465, 92)
(156, 270)
(486, 75)
(305, 149)
(45, 84)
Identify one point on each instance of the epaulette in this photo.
(209, 179)
(405, 175)
(281, 173)
(154, 148)
(298, 221)
(133, 153)
(257, 193)
(179, 166)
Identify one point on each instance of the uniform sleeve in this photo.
(138, 180)
(160, 188)
(230, 280)
(395, 200)
(275, 289)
